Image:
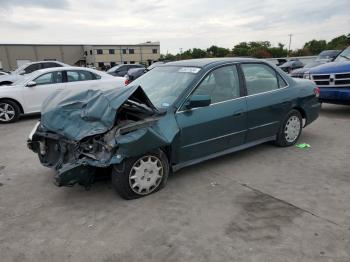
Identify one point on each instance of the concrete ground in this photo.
(262, 204)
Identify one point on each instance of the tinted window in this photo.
(80, 75)
(32, 68)
(222, 84)
(51, 64)
(49, 78)
(282, 83)
(259, 78)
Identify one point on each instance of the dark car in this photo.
(324, 57)
(135, 73)
(328, 55)
(122, 70)
(176, 115)
(291, 65)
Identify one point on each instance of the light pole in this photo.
(180, 53)
(290, 41)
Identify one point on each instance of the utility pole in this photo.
(290, 41)
(180, 53)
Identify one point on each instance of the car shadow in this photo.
(339, 111)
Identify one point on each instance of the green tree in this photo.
(316, 46)
(339, 42)
(215, 51)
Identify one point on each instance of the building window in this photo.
(112, 64)
(124, 51)
(99, 51)
(125, 62)
(131, 51)
(154, 51)
(111, 51)
(132, 62)
(85, 53)
(101, 64)
(90, 52)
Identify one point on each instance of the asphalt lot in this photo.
(262, 204)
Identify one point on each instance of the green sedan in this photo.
(176, 115)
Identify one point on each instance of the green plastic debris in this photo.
(303, 145)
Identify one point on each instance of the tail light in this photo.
(317, 91)
(126, 82)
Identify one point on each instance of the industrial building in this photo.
(99, 56)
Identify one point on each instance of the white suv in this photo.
(26, 95)
(27, 69)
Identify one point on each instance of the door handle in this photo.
(237, 114)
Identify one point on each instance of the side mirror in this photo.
(22, 72)
(31, 84)
(198, 101)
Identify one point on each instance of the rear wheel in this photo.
(290, 129)
(141, 176)
(9, 111)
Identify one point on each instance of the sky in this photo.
(176, 24)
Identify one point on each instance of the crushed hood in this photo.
(76, 115)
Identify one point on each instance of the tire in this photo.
(131, 184)
(294, 122)
(9, 111)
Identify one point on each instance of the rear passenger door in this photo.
(82, 79)
(267, 101)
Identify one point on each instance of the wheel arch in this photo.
(14, 101)
(302, 112)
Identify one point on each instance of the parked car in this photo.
(135, 73)
(122, 70)
(333, 79)
(26, 95)
(3, 73)
(328, 55)
(176, 115)
(324, 57)
(27, 69)
(291, 65)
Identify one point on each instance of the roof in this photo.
(203, 62)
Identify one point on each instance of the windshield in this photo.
(343, 56)
(113, 68)
(164, 84)
(330, 54)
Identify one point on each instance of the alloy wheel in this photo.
(146, 174)
(7, 112)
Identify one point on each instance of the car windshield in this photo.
(113, 68)
(164, 84)
(343, 56)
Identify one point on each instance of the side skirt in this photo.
(225, 152)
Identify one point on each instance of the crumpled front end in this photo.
(136, 129)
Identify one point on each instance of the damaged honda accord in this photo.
(179, 114)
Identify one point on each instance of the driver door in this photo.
(45, 85)
(221, 125)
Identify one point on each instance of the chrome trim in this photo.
(212, 139)
(224, 152)
(268, 124)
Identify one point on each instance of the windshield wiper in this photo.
(344, 57)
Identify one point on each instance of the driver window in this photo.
(222, 84)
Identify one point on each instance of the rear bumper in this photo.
(312, 112)
(335, 94)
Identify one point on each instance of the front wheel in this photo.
(290, 129)
(141, 176)
(9, 111)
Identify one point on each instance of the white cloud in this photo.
(194, 23)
